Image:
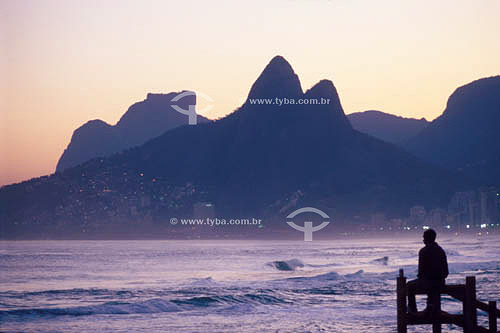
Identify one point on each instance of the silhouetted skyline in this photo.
(264, 159)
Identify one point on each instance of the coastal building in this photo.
(488, 204)
(463, 208)
(437, 217)
(417, 215)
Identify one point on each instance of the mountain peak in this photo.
(190, 96)
(143, 121)
(280, 66)
(466, 134)
(479, 96)
(276, 80)
(323, 88)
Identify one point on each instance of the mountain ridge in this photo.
(141, 122)
(467, 131)
(249, 163)
(387, 127)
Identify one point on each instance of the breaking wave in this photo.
(149, 306)
(286, 265)
(157, 305)
(382, 261)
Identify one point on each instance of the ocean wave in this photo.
(450, 253)
(322, 265)
(286, 265)
(410, 272)
(208, 281)
(67, 292)
(248, 298)
(330, 276)
(149, 306)
(157, 305)
(473, 267)
(381, 261)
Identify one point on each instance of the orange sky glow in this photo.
(64, 62)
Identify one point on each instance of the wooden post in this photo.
(401, 302)
(492, 316)
(469, 306)
(435, 297)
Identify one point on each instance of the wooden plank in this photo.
(455, 290)
(485, 308)
(450, 289)
(464, 293)
(458, 295)
(480, 329)
(424, 318)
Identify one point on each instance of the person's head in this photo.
(429, 236)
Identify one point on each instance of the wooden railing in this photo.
(466, 293)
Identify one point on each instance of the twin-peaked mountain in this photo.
(261, 153)
(142, 121)
(261, 160)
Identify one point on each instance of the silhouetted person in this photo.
(432, 269)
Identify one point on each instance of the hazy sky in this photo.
(65, 62)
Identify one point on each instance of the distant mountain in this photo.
(261, 153)
(263, 160)
(142, 121)
(467, 134)
(387, 127)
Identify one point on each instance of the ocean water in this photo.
(224, 286)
